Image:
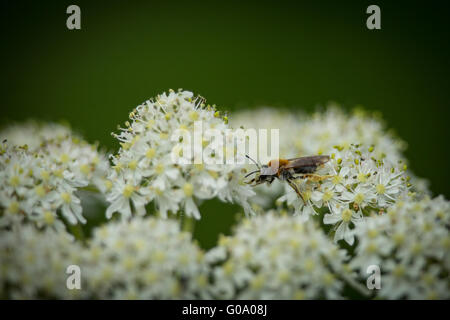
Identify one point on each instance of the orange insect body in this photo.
(278, 165)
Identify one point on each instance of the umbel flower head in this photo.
(317, 134)
(34, 133)
(144, 258)
(352, 185)
(276, 257)
(39, 183)
(145, 170)
(411, 246)
(34, 263)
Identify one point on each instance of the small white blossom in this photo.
(144, 258)
(356, 185)
(276, 257)
(411, 245)
(145, 171)
(34, 263)
(304, 135)
(40, 178)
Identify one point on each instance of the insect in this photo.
(289, 170)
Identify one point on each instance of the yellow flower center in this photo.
(108, 184)
(188, 189)
(128, 191)
(381, 189)
(64, 158)
(327, 196)
(49, 218)
(13, 207)
(40, 191)
(67, 198)
(193, 115)
(337, 179)
(45, 175)
(359, 198)
(347, 215)
(150, 153)
(85, 169)
(132, 165)
(362, 177)
(14, 181)
(159, 168)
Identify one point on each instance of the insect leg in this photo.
(294, 186)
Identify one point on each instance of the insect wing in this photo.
(312, 161)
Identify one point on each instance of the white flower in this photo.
(342, 219)
(411, 246)
(42, 176)
(145, 162)
(34, 263)
(144, 258)
(321, 133)
(276, 257)
(356, 185)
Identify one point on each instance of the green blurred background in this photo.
(238, 55)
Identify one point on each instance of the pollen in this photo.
(108, 184)
(13, 207)
(150, 153)
(193, 115)
(381, 189)
(128, 191)
(327, 196)
(188, 189)
(132, 164)
(14, 181)
(85, 169)
(45, 175)
(337, 179)
(328, 278)
(49, 218)
(40, 191)
(150, 123)
(64, 158)
(359, 198)
(347, 215)
(67, 198)
(362, 177)
(159, 168)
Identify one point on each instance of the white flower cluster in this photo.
(276, 257)
(355, 184)
(40, 179)
(144, 168)
(34, 263)
(288, 124)
(320, 132)
(144, 258)
(33, 133)
(411, 245)
(304, 135)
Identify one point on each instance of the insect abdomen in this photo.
(305, 169)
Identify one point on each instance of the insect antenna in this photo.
(249, 174)
(257, 164)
